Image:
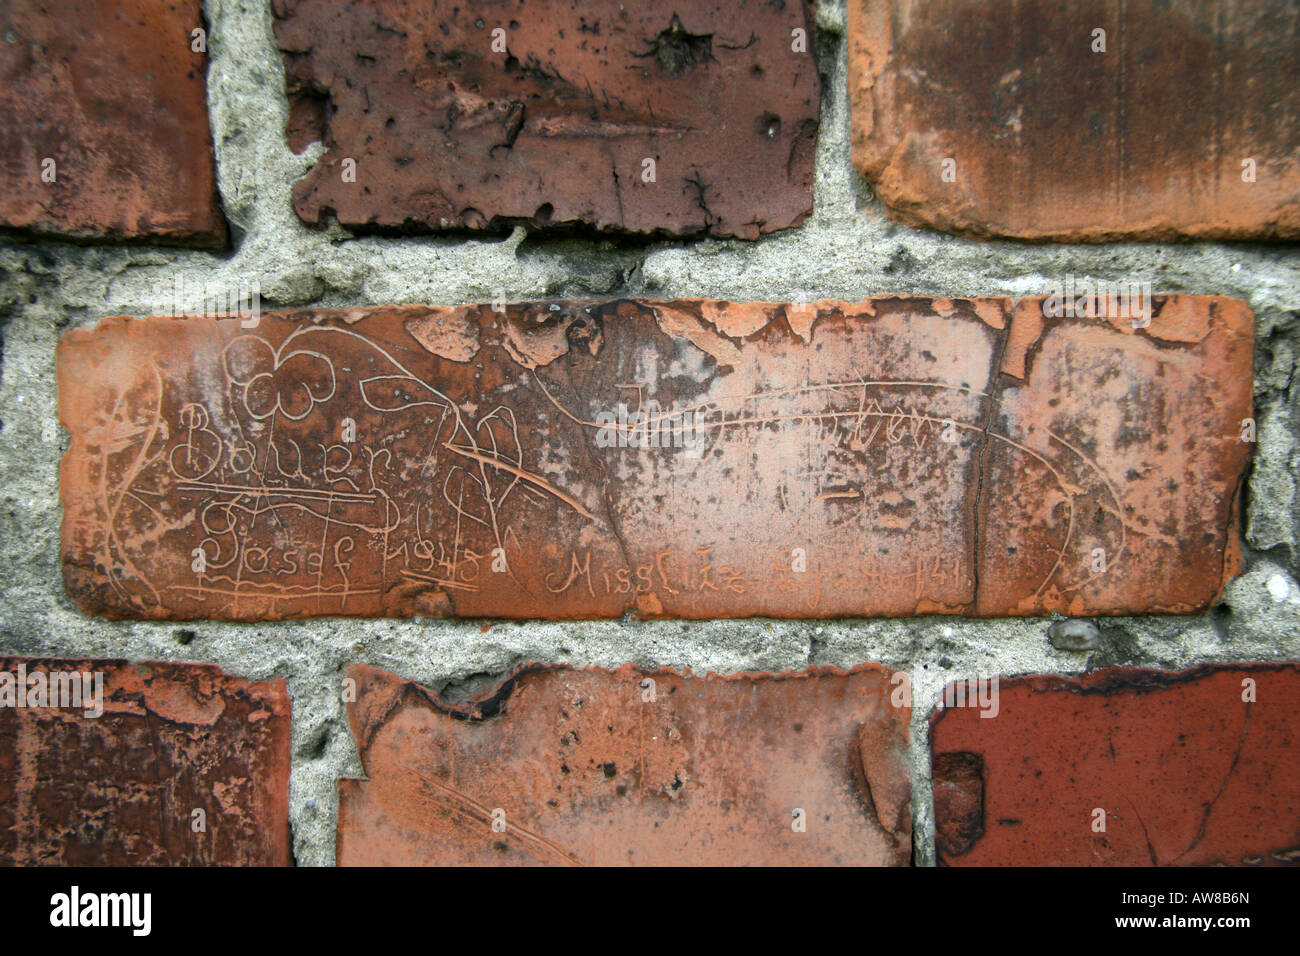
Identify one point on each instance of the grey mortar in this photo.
(847, 249)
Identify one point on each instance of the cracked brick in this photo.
(887, 458)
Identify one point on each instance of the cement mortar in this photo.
(847, 250)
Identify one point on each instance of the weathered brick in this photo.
(160, 764)
(817, 461)
(477, 116)
(1053, 141)
(1121, 451)
(630, 767)
(112, 93)
(1190, 769)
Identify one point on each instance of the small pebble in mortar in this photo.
(1074, 635)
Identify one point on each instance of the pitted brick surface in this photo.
(121, 787)
(477, 116)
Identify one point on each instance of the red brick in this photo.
(120, 788)
(630, 767)
(1187, 771)
(111, 91)
(823, 430)
(552, 130)
(1053, 141)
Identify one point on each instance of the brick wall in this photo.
(1143, 712)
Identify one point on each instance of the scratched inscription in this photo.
(692, 459)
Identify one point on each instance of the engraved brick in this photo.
(630, 767)
(479, 116)
(112, 94)
(1123, 767)
(792, 461)
(1119, 450)
(1183, 126)
(153, 764)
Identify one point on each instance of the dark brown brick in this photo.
(958, 801)
(484, 478)
(630, 767)
(1180, 769)
(112, 93)
(121, 787)
(1053, 141)
(552, 127)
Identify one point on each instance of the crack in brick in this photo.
(414, 379)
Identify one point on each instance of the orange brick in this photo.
(629, 767)
(821, 461)
(1006, 118)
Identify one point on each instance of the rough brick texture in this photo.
(675, 431)
(832, 460)
(630, 767)
(554, 127)
(1052, 140)
(113, 94)
(1186, 770)
(121, 787)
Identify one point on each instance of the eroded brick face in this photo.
(815, 461)
(1052, 137)
(1123, 767)
(561, 113)
(629, 767)
(107, 99)
(181, 765)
